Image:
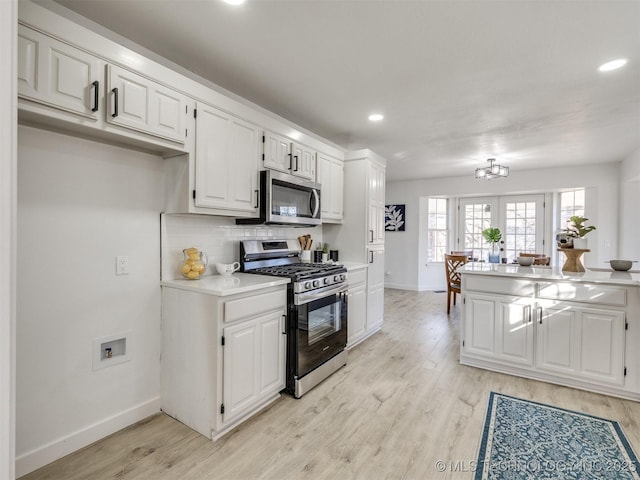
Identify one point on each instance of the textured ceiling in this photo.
(458, 82)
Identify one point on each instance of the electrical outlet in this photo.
(122, 265)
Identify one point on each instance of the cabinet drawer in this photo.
(247, 307)
(503, 286)
(585, 293)
(357, 277)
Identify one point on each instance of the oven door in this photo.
(321, 327)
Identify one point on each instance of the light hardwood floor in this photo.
(402, 403)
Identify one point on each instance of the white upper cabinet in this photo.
(331, 179)
(376, 180)
(141, 104)
(304, 162)
(226, 161)
(58, 75)
(280, 153)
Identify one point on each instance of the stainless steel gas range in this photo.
(317, 310)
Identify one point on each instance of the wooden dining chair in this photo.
(467, 253)
(451, 265)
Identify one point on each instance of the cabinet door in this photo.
(602, 345)
(146, 106)
(375, 289)
(582, 343)
(240, 362)
(357, 324)
(277, 152)
(331, 177)
(226, 162)
(272, 353)
(556, 343)
(375, 182)
(304, 162)
(479, 325)
(58, 75)
(515, 333)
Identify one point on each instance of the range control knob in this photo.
(316, 283)
(307, 284)
(343, 277)
(337, 278)
(326, 280)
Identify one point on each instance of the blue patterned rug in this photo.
(526, 440)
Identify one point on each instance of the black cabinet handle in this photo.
(290, 161)
(540, 315)
(370, 256)
(371, 232)
(115, 105)
(96, 88)
(284, 324)
(257, 199)
(296, 157)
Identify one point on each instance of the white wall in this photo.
(8, 132)
(405, 262)
(81, 203)
(629, 208)
(218, 237)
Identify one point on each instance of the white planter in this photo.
(580, 243)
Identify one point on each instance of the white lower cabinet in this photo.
(357, 313)
(585, 343)
(576, 343)
(253, 363)
(375, 289)
(223, 358)
(499, 327)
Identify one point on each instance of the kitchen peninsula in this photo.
(575, 329)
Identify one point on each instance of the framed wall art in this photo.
(394, 218)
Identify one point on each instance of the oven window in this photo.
(321, 322)
(288, 201)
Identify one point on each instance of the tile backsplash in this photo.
(218, 237)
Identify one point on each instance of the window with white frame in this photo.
(438, 233)
(571, 203)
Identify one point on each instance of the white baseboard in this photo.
(401, 286)
(416, 288)
(41, 456)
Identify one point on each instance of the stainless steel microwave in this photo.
(286, 200)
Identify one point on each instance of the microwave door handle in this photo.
(314, 204)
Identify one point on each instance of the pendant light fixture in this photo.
(492, 171)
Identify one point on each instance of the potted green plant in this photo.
(493, 236)
(576, 228)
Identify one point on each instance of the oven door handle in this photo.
(304, 298)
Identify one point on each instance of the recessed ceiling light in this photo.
(234, 2)
(612, 65)
(376, 117)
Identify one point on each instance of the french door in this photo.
(520, 218)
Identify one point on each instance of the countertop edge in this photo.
(215, 284)
(553, 274)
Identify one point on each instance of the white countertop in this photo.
(354, 265)
(554, 273)
(227, 285)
